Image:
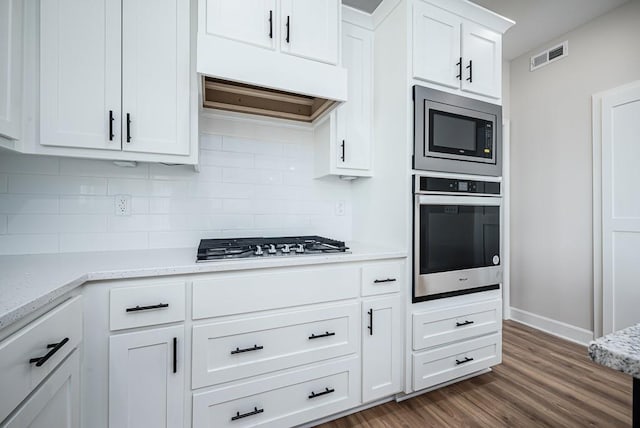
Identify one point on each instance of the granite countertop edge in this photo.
(30, 282)
(619, 350)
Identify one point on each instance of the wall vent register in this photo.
(550, 55)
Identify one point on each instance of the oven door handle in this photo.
(484, 201)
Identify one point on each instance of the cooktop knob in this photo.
(285, 249)
(258, 251)
(272, 249)
(300, 248)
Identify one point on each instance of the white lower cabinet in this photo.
(287, 399)
(146, 378)
(381, 347)
(56, 403)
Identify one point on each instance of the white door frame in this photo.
(598, 290)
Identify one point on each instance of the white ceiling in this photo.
(539, 21)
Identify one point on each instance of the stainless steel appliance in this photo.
(457, 229)
(456, 134)
(242, 248)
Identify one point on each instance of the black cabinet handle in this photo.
(320, 394)
(55, 347)
(240, 351)
(379, 281)
(459, 65)
(461, 324)
(342, 157)
(128, 128)
(148, 308)
(327, 334)
(175, 355)
(287, 39)
(466, 360)
(470, 67)
(256, 411)
(271, 24)
(111, 136)
(370, 327)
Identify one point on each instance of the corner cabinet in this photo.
(456, 53)
(11, 68)
(344, 139)
(128, 95)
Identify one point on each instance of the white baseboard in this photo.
(563, 330)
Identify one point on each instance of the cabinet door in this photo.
(436, 45)
(80, 73)
(10, 68)
(354, 117)
(310, 29)
(381, 347)
(146, 379)
(156, 76)
(482, 60)
(249, 21)
(56, 403)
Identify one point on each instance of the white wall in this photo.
(259, 184)
(551, 164)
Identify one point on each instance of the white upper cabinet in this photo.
(11, 68)
(436, 45)
(310, 29)
(482, 53)
(155, 76)
(354, 121)
(117, 78)
(80, 73)
(249, 21)
(457, 53)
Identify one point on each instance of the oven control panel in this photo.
(450, 185)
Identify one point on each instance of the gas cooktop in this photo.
(240, 248)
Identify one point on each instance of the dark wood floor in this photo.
(543, 381)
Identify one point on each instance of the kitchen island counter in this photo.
(29, 282)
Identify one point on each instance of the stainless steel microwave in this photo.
(456, 134)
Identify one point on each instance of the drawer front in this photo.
(450, 362)
(289, 399)
(146, 305)
(232, 293)
(226, 351)
(61, 326)
(383, 277)
(435, 328)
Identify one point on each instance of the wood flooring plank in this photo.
(544, 381)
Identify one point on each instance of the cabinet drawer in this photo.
(381, 278)
(146, 305)
(286, 400)
(226, 351)
(232, 293)
(450, 362)
(54, 334)
(435, 328)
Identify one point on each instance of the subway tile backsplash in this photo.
(244, 188)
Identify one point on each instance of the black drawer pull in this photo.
(55, 347)
(148, 308)
(111, 125)
(320, 394)
(466, 360)
(462, 324)
(327, 334)
(128, 127)
(379, 281)
(370, 326)
(256, 411)
(470, 67)
(240, 351)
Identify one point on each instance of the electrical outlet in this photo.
(341, 207)
(123, 204)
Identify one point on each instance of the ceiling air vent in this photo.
(550, 55)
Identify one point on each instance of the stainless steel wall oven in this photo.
(457, 237)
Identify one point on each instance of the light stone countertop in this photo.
(619, 350)
(29, 282)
